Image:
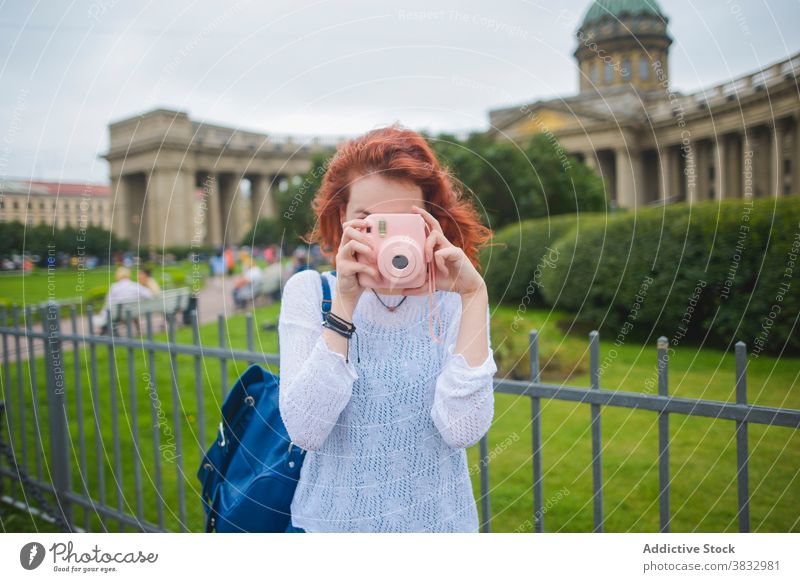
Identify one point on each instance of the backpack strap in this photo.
(326, 292)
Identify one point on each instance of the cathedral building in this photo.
(653, 144)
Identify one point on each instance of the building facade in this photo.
(159, 159)
(652, 144)
(61, 204)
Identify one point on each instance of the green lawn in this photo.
(66, 283)
(17, 520)
(702, 454)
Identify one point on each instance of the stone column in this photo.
(664, 174)
(718, 158)
(213, 217)
(121, 218)
(263, 203)
(796, 156)
(184, 208)
(153, 224)
(747, 173)
(776, 151)
(680, 176)
(170, 207)
(232, 219)
(690, 171)
(629, 177)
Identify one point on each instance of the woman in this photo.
(386, 431)
(146, 279)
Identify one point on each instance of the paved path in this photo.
(216, 297)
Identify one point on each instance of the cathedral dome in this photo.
(623, 43)
(617, 9)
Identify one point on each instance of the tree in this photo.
(513, 183)
(265, 232)
(509, 182)
(12, 236)
(295, 216)
(44, 240)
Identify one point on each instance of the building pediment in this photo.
(555, 116)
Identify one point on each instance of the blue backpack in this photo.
(248, 476)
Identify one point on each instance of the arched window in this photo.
(593, 73)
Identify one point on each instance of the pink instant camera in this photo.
(399, 243)
(398, 240)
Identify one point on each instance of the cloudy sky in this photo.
(320, 68)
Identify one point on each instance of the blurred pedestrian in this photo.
(147, 280)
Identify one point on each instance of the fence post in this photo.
(741, 440)
(57, 410)
(251, 344)
(663, 436)
(486, 507)
(5, 417)
(536, 435)
(597, 463)
(194, 321)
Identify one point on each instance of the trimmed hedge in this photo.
(715, 272)
(513, 265)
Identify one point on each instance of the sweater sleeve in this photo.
(315, 382)
(463, 403)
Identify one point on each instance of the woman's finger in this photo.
(353, 246)
(348, 266)
(435, 240)
(441, 262)
(354, 222)
(357, 267)
(450, 253)
(352, 233)
(428, 217)
(452, 257)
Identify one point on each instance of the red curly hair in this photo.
(399, 154)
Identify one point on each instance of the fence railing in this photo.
(66, 431)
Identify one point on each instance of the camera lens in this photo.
(399, 261)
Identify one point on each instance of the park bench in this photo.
(168, 302)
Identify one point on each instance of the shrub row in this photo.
(716, 272)
(520, 253)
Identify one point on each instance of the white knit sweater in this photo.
(386, 437)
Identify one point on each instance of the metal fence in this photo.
(81, 499)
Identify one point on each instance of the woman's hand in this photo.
(454, 270)
(353, 241)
